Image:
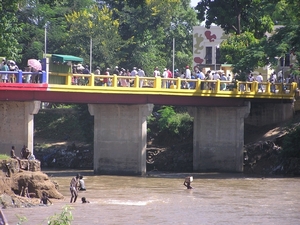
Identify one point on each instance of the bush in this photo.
(291, 144)
(170, 127)
(64, 218)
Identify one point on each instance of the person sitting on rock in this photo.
(45, 199)
(83, 199)
(25, 152)
(81, 184)
(13, 155)
(31, 156)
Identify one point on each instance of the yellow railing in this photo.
(173, 86)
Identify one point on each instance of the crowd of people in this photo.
(188, 78)
(8, 65)
(25, 154)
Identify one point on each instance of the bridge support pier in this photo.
(120, 138)
(16, 125)
(218, 138)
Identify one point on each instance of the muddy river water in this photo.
(161, 198)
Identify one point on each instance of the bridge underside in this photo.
(133, 99)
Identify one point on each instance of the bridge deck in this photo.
(148, 90)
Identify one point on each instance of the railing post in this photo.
(217, 86)
(115, 81)
(198, 84)
(136, 81)
(20, 77)
(268, 88)
(69, 79)
(254, 87)
(178, 83)
(157, 83)
(92, 80)
(43, 78)
(236, 87)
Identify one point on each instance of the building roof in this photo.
(66, 58)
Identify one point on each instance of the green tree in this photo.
(33, 15)
(151, 26)
(237, 16)
(9, 30)
(95, 24)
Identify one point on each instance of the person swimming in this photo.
(45, 199)
(83, 199)
(187, 182)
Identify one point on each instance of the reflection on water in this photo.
(162, 199)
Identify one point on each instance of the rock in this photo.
(37, 183)
(21, 188)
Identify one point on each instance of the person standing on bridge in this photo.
(4, 76)
(74, 188)
(259, 79)
(141, 74)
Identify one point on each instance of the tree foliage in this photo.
(238, 15)
(9, 30)
(177, 125)
(249, 46)
(97, 25)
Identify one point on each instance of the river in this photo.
(161, 198)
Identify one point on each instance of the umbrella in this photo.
(34, 63)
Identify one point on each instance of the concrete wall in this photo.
(218, 138)
(120, 138)
(16, 125)
(262, 114)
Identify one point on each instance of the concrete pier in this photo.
(16, 125)
(218, 138)
(120, 138)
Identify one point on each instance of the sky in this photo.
(194, 2)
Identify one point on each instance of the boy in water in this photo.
(74, 188)
(45, 199)
(81, 184)
(187, 182)
(83, 199)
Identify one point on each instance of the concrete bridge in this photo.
(120, 116)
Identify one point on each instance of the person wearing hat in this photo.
(164, 81)
(74, 188)
(97, 79)
(116, 71)
(134, 72)
(156, 72)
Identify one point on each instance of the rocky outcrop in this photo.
(264, 158)
(23, 188)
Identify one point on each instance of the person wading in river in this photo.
(74, 188)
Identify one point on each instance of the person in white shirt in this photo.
(188, 74)
(141, 74)
(134, 72)
(165, 75)
(81, 184)
(156, 72)
(259, 79)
